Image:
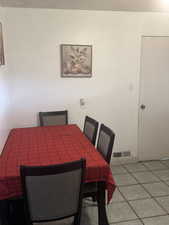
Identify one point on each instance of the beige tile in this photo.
(135, 167)
(119, 212)
(161, 220)
(157, 189)
(155, 165)
(147, 208)
(87, 202)
(145, 177)
(118, 169)
(162, 174)
(164, 202)
(134, 192)
(134, 222)
(124, 179)
(89, 216)
(117, 197)
(165, 162)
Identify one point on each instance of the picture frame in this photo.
(2, 58)
(76, 61)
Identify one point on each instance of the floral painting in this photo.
(76, 60)
(2, 60)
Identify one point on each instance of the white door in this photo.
(154, 99)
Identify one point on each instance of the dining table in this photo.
(51, 145)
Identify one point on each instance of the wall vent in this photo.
(122, 154)
(117, 154)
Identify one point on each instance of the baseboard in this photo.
(123, 160)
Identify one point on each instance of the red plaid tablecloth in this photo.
(46, 146)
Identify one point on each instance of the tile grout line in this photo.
(152, 197)
(129, 172)
(141, 184)
(128, 201)
(129, 205)
(124, 221)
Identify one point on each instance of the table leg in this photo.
(4, 209)
(102, 215)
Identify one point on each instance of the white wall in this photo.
(4, 109)
(33, 38)
(4, 100)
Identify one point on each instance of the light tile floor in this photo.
(141, 196)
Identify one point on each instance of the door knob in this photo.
(142, 107)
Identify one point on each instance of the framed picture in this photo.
(2, 59)
(76, 60)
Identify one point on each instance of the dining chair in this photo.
(105, 147)
(53, 118)
(105, 142)
(53, 192)
(90, 129)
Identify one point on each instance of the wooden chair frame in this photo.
(52, 170)
(52, 113)
(111, 134)
(96, 124)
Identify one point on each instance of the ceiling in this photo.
(114, 5)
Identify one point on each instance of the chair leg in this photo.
(102, 215)
(76, 220)
(4, 212)
(94, 198)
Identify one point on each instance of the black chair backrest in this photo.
(53, 118)
(53, 192)
(105, 142)
(90, 129)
